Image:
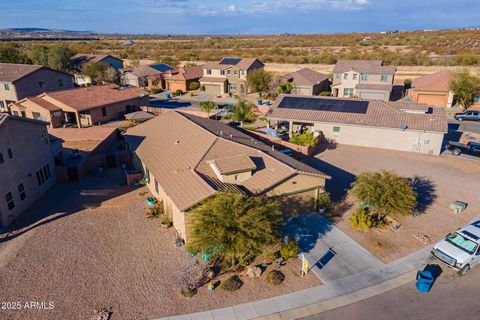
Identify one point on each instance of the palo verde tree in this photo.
(242, 110)
(234, 226)
(259, 81)
(385, 193)
(464, 86)
(207, 106)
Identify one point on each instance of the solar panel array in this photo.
(333, 105)
(230, 61)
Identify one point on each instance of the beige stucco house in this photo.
(187, 159)
(147, 76)
(82, 107)
(229, 76)
(18, 81)
(307, 82)
(26, 165)
(403, 126)
(363, 79)
(81, 59)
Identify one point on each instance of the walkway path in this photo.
(343, 265)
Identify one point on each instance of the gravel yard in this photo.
(440, 180)
(94, 247)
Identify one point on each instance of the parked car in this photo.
(471, 148)
(460, 249)
(472, 115)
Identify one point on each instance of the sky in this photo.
(239, 16)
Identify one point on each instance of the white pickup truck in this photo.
(460, 250)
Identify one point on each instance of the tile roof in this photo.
(139, 115)
(40, 102)
(306, 77)
(438, 82)
(4, 117)
(374, 86)
(234, 164)
(10, 72)
(142, 71)
(82, 58)
(364, 66)
(87, 98)
(177, 149)
(84, 139)
(187, 73)
(372, 113)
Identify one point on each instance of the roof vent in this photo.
(176, 142)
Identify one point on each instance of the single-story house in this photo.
(148, 76)
(433, 89)
(187, 159)
(404, 126)
(307, 82)
(82, 107)
(182, 78)
(79, 60)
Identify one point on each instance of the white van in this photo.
(460, 250)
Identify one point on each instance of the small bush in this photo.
(324, 201)
(156, 211)
(289, 250)
(233, 283)
(177, 93)
(361, 220)
(304, 139)
(273, 255)
(155, 90)
(324, 94)
(275, 277)
(194, 86)
(166, 220)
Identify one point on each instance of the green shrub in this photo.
(177, 93)
(155, 90)
(233, 283)
(194, 85)
(290, 249)
(166, 220)
(325, 94)
(304, 139)
(275, 277)
(361, 220)
(156, 211)
(273, 255)
(324, 201)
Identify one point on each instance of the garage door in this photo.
(372, 95)
(433, 99)
(212, 88)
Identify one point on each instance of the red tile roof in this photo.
(438, 82)
(187, 73)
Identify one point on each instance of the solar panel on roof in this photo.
(332, 105)
(162, 67)
(230, 61)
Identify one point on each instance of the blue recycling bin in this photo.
(425, 280)
(260, 102)
(168, 95)
(268, 103)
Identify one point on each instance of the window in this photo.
(21, 191)
(36, 115)
(228, 71)
(2, 161)
(364, 77)
(41, 84)
(355, 76)
(345, 76)
(44, 137)
(6, 86)
(104, 112)
(42, 177)
(60, 82)
(476, 99)
(336, 131)
(15, 113)
(48, 172)
(39, 181)
(347, 92)
(2, 105)
(383, 78)
(209, 71)
(337, 75)
(10, 202)
(222, 72)
(45, 173)
(10, 153)
(23, 114)
(235, 72)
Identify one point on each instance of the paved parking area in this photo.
(438, 180)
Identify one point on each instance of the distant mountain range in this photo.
(43, 31)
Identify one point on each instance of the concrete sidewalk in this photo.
(349, 273)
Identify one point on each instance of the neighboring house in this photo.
(187, 159)
(84, 151)
(404, 126)
(229, 75)
(82, 107)
(149, 76)
(363, 79)
(307, 82)
(433, 89)
(26, 165)
(181, 78)
(18, 81)
(79, 60)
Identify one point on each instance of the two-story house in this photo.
(27, 167)
(229, 75)
(79, 60)
(364, 79)
(18, 81)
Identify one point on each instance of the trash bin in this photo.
(260, 102)
(268, 103)
(168, 95)
(425, 281)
